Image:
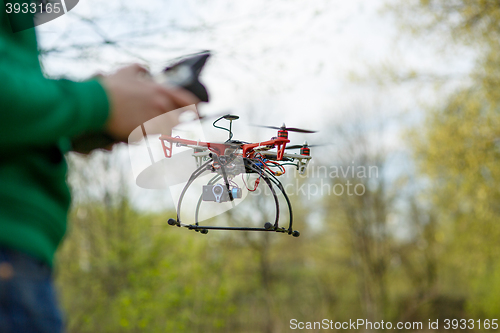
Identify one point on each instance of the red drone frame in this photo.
(223, 158)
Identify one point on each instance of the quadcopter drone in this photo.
(232, 158)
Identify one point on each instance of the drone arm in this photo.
(217, 148)
(280, 142)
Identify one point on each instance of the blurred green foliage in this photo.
(458, 149)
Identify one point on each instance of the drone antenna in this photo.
(230, 129)
(229, 117)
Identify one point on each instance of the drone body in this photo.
(232, 158)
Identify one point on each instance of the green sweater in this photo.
(38, 119)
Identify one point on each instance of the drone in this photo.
(231, 158)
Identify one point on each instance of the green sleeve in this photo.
(39, 111)
(34, 110)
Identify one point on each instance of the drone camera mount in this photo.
(219, 194)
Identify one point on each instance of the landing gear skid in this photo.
(204, 229)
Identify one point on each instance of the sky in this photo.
(275, 61)
(278, 61)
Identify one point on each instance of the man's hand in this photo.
(135, 98)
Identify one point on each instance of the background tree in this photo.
(457, 149)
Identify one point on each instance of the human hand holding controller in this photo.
(135, 97)
(185, 74)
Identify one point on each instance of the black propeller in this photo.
(306, 145)
(284, 128)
